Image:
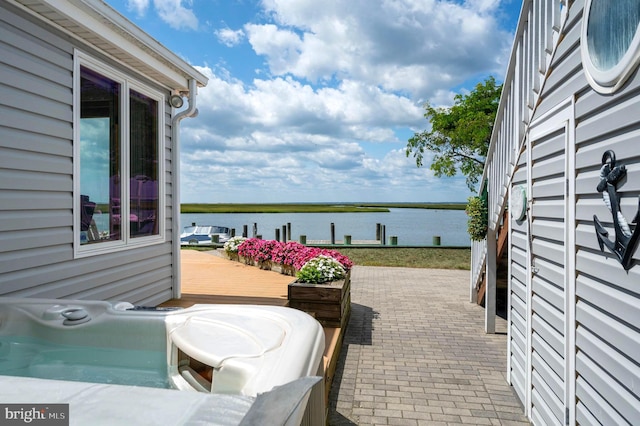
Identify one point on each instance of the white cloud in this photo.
(138, 6)
(229, 37)
(176, 13)
(320, 102)
(295, 142)
(483, 6)
(344, 82)
(281, 106)
(415, 46)
(281, 47)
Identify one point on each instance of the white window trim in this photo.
(609, 81)
(127, 83)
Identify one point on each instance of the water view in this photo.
(413, 227)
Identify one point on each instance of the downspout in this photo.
(191, 111)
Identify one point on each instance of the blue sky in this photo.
(313, 101)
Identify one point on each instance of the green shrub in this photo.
(478, 216)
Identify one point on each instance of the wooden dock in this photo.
(207, 277)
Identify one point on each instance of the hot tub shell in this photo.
(246, 350)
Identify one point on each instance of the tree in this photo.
(459, 135)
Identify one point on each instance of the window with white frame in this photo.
(610, 42)
(118, 176)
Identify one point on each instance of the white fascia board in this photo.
(93, 15)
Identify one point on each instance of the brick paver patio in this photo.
(415, 353)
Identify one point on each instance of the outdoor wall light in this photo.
(176, 101)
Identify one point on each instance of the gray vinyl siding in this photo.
(547, 292)
(519, 248)
(607, 298)
(566, 77)
(36, 180)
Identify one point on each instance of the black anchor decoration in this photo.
(626, 240)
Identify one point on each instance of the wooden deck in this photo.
(207, 277)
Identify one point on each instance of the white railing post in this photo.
(490, 292)
(478, 253)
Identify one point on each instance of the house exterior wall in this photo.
(574, 315)
(518, 332)
(548, 242)
(36, 178)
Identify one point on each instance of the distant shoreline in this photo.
(313, 207)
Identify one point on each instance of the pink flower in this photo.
(290, 253)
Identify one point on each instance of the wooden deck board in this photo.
(207, 278)
(206, 273)
(191, 299)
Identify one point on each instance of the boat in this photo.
(204, 234)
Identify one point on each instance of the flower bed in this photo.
(289, 258)
(322, 287)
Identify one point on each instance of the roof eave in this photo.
(98, 24)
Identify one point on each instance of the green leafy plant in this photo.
(321, 269)
(478, 217)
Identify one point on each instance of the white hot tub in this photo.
(213, 349)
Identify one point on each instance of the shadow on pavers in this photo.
(358, 333)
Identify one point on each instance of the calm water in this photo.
(413, 227)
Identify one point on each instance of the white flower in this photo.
(232, 244)
(321, 269)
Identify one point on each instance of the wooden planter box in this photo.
(329, 303)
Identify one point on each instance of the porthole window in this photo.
(610, 42)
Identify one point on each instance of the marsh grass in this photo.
(277, 208)
(312, 208)
(419, 257)
(433, 258)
